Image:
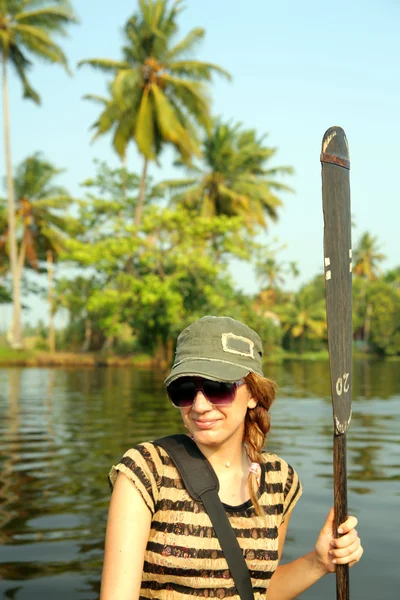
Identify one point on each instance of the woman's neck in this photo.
(227, 457)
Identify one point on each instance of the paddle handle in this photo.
(340, 504)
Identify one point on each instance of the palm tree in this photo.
(157, 96)
(41, 220)
(393, 277)
(236, 180)
(304, 316)
(25, 30)
(367, 257)
(273, 273)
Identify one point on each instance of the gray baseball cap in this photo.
(217, 348)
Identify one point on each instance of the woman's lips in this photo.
(204, 424)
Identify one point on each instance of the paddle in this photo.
(338, 279)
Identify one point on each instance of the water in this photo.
(60, 431)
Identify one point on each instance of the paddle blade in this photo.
(338, 271)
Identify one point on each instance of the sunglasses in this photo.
(182, 391)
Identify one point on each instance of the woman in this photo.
(159, 541)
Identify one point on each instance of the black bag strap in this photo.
(202, 484)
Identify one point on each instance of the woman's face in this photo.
(214, 426)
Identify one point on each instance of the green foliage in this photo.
(171, 270)
(393, 277)
(112, 197)
(303, 317)
(5, 295)
(148, 282)
(385, 317)
(236, 179)
(359, 304)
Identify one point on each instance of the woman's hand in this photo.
(344, 550)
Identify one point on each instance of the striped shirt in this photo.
(183, 556)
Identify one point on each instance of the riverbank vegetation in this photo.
(134, 258)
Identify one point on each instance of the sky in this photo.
(297, 68)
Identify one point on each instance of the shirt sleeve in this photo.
(292, 490)
(143, 467)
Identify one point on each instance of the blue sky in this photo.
(297, 67)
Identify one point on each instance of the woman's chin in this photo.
(206, 436)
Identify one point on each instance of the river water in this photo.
(61, 430)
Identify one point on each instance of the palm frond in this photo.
(145, 133)
(193, 97)
(52, 19)
(126, 81)
(38, 42)
(168, 123)
(96, 98)
(31, 4)
(107, 119)
(106, 65)
(192, 39)
(178, 184)
(123, 134)
(197, 70)
(273, 172)
(188, 123)
(21, 64)
(191, 198)
(190, 168)
(55, 202)
(278, 186)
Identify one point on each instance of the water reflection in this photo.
(8, 497)
(62, 429)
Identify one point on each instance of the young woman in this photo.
(160, 542)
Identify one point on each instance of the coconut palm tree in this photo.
(393, 277)
(235, 179)
(304, 316)
(157, 96)
(273, 273)
(26, 28)
(367, 257)
(41, 221)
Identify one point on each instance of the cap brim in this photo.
(210, 369)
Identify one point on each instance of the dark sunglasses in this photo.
(182, 391)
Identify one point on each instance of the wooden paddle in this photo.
(338, 281)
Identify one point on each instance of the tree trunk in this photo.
(21, 258)
(50, 274)
(15, 334)
(142, 193)
(88, 336)
(108, 343)
(367, 324)
(20, 266)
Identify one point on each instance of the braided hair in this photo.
(256, 427)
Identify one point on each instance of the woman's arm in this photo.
(295, 577)
(128, 528)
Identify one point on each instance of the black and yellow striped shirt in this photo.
(183, 555)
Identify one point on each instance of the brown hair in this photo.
(256, 426)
